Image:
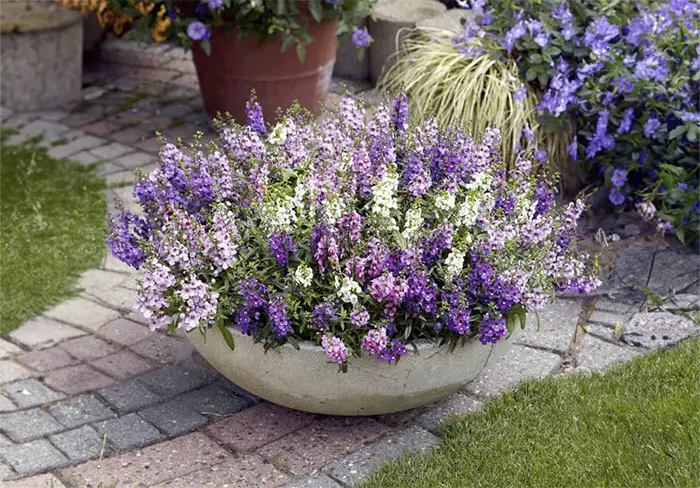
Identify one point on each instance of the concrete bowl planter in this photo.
(304, 380)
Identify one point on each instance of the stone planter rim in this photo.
(54, 17)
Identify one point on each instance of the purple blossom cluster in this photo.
(373, 234)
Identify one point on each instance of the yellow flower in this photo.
(162, 24)
(144, 6)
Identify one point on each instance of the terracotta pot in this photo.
(234, 68)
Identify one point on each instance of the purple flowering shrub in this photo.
(361, 233)
(627, 81)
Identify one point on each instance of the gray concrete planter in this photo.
(303, 379)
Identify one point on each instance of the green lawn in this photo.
(52, 227)
(636, 426)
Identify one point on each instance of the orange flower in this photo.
(144, 6)
(162, 24)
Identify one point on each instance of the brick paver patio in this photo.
(89, 395)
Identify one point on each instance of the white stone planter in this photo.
(42, 55)
(303, 379)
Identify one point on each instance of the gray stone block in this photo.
(129, 432)
(77, 145)
(174, 417)
(6, 405)
(111, 151)
(8, 349)
(175, 110)
(80, 410)
(83, 313)
(357, 467)
(684, 302)
(41, 332)
(4, 441)
(347, 62)
(608, 319)
(213, 400)
(11, 371)
(172, 380)
(128, 396)
(33, 457)
(31, 393)
(135, 160)
(557, 326)
(318, 480)
(81, 444)
(391, 16)
(457, 404)
(617, 306)
(658, 330)
(632, 266)
(598, 355)
(517, 365)
(674, 270)
(28, 424)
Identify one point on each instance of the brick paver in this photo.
(8, 349)
(81, 444)
(30, 393)
(319, 443)
(41, 332)
(77, 379)
(80, 410)
(47, 359)
(88, 348)
(163, 349)
(174, 417)
(33, 457)
(127, 396)
(11, 371)
(38, 481)
(129, 432)
(124, 332)
(245, 470)
(27, 425)
(82, 312)
(172, 380)
(122, 365)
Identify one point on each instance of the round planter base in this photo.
(304, 380)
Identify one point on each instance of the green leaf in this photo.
(531, 73)
(523, 319)
(227, 335)
(316, 9)
(301, 52)
(678, 131)
(206, 47)
(287, 42)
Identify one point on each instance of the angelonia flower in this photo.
(520, 93)
(354, 232)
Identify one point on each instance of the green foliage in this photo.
(635, 426)
(52, 229)
(474, 93)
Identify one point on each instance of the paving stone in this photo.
(6, 473)
(598, 355)
(321, 442)
(172, 380)
(11, 371)
(163, 349)
(106, 169)
(633, 265)
(101, 129)
(41, 332)
(31, 393)
(81, 119)
(138, 317)
(44, 128)
(245, 470)
(81, 444)
(129, 432)
(135, 160)
(130, 136)
(128, 396)
(119, 298)
(457, 404)
(111, 151)
(557, 326)
(77, 145)
(175, 110)
(100, 279)
(149, 145)
(357, 467)
(213, 400)
(8, 349)
(80, 410)
(77, 379)
(85, 158)
(17, 120)
(39, 481)
(32, 457)
(111, 263)
(4, 441)
(124, 332)
(684, 302)
(88, 348)
(174, 417)
(674, 270)
(657, 330)
(122, 365)
(318, 480)
(6, 405)
(609, 319)
(28, 424)
(619, 307)
(226, 384)
(150, 466)
(45, 360)
(518, 364)
(258, 426)
(82, 312)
